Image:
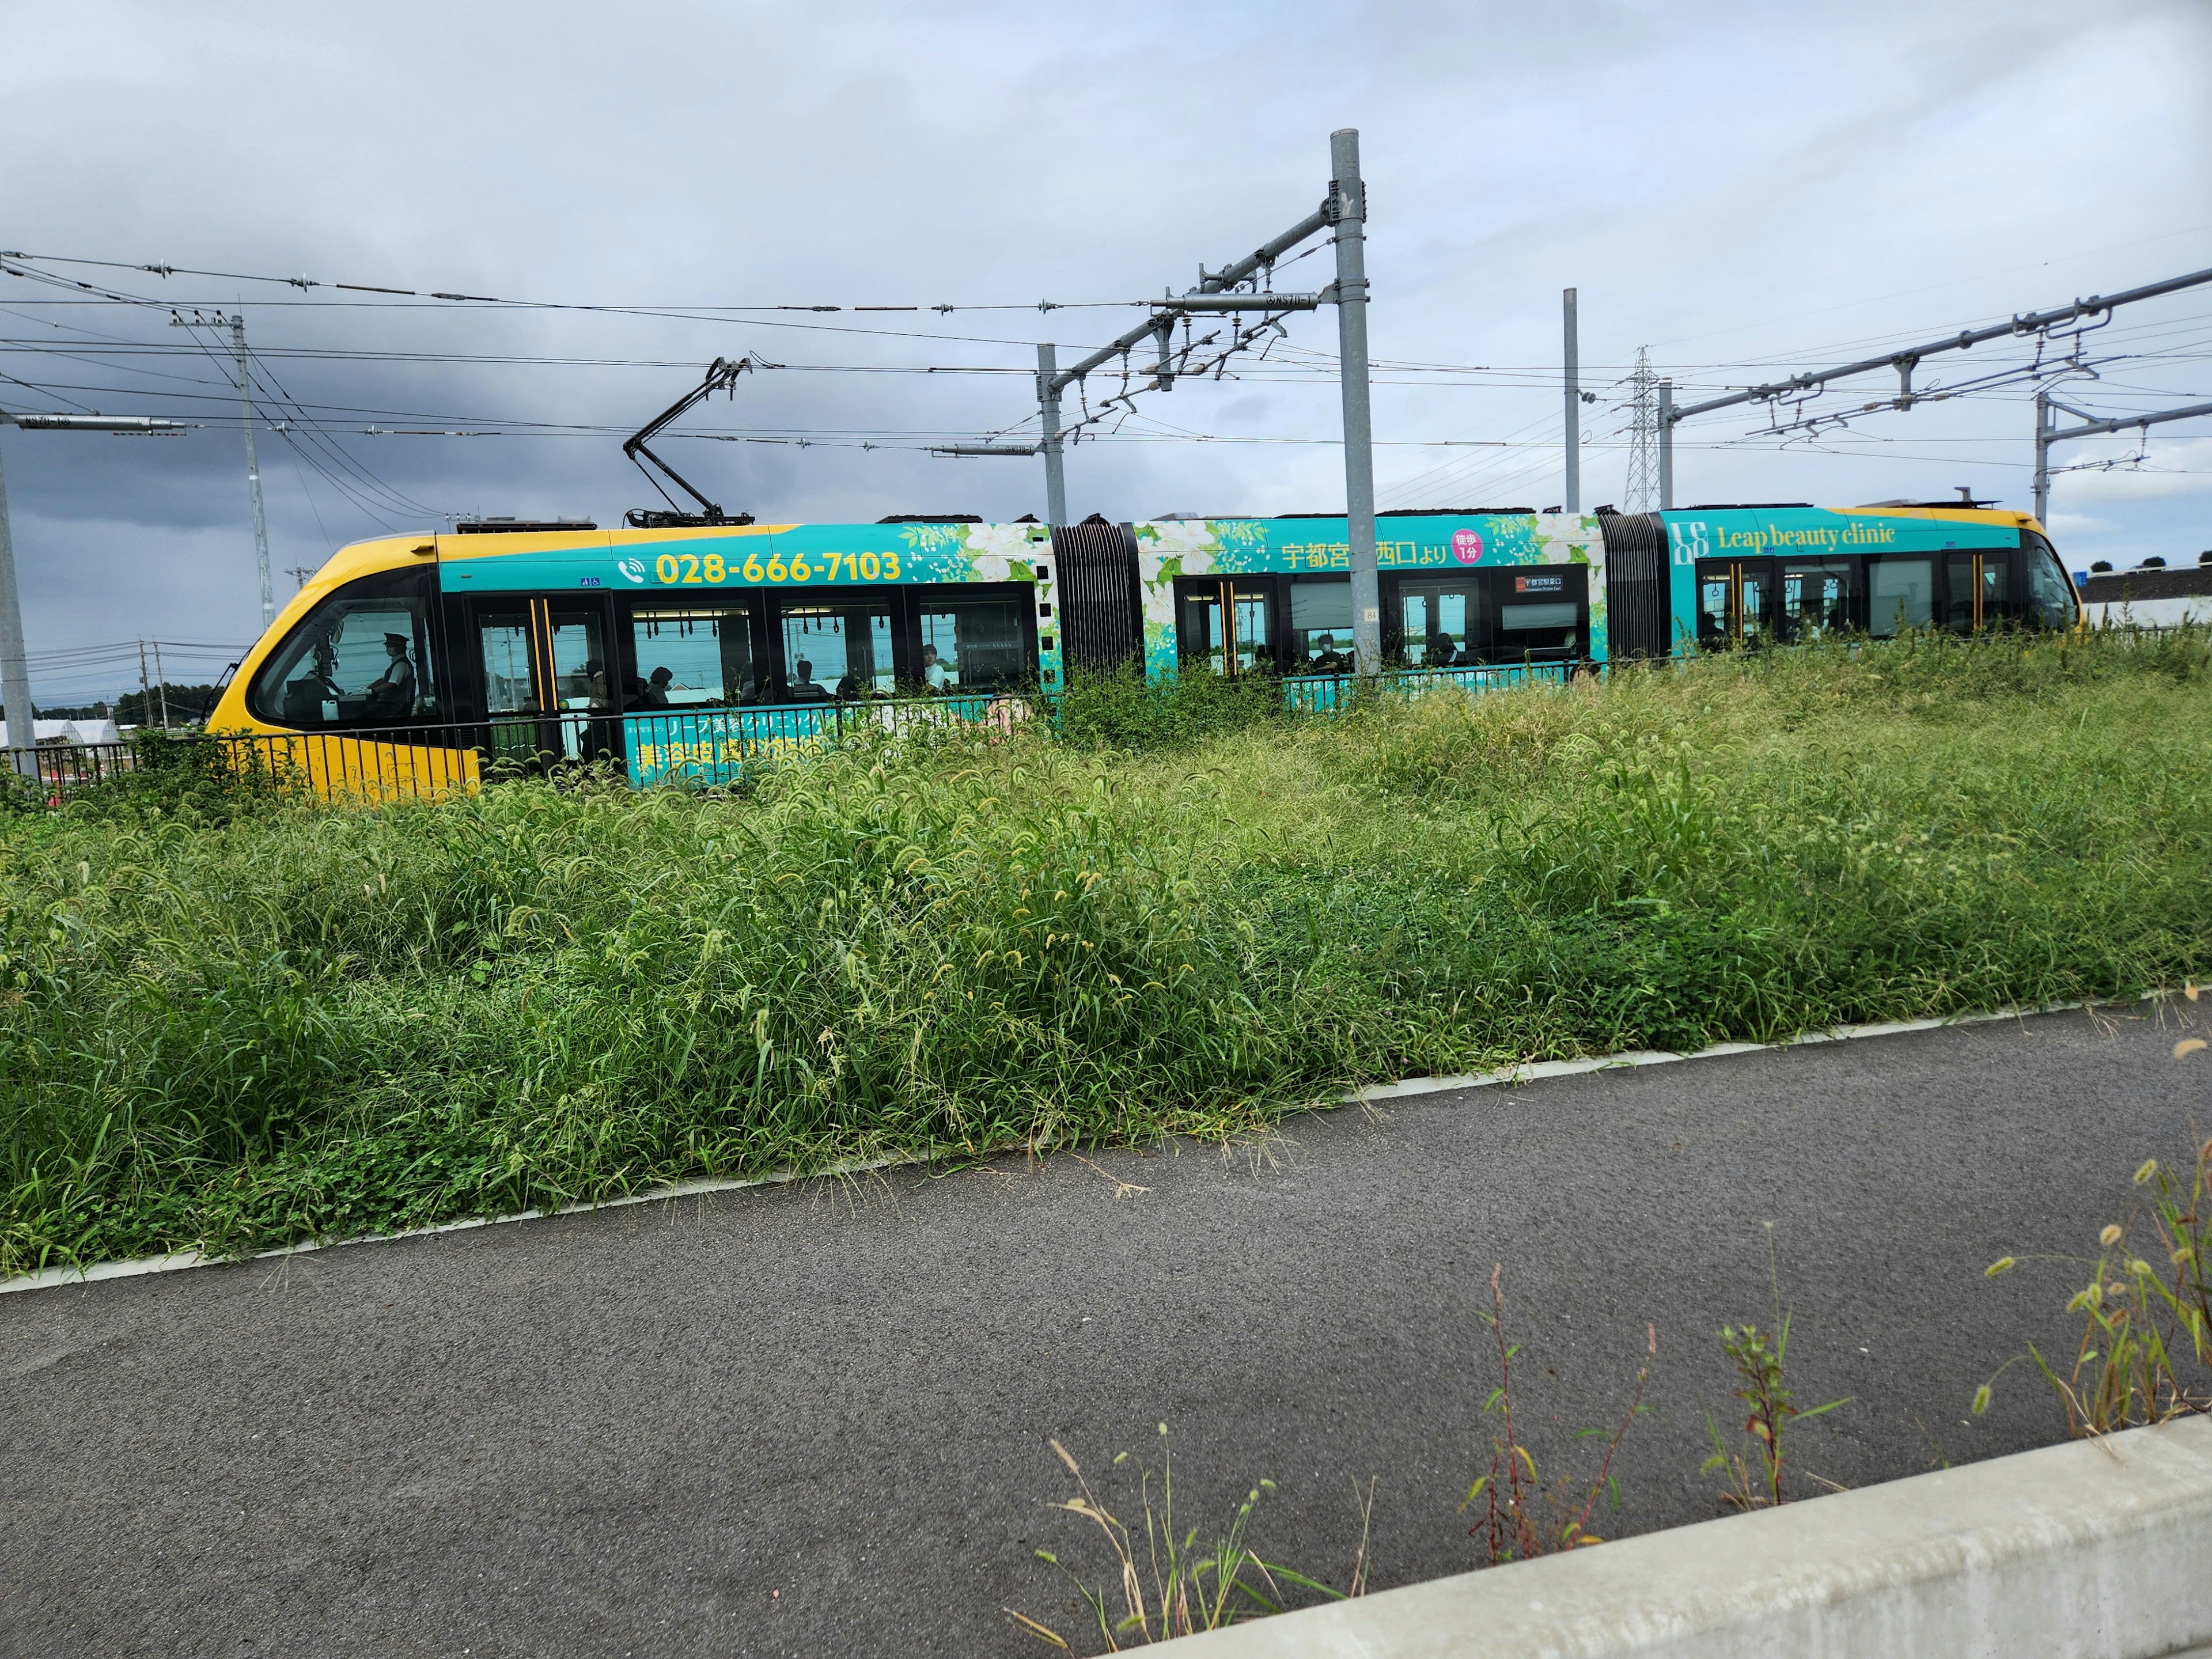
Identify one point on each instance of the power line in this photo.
(17, 264)
(304, 282)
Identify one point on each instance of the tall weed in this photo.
(227, 1029)
(1124, 710)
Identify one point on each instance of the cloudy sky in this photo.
(1744, 188)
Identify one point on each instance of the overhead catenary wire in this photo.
(304, 282)
(310, 427)
(362, 479)
(22, 266)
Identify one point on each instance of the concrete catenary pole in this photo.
(1574, 495)
(1666, 446)
(1055, 478)
(254, 476)
(14, 663)
(1348, 206)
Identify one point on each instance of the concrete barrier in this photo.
(2091, 1548)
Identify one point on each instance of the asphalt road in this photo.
(814, 1420)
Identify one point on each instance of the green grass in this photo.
(228, 1028)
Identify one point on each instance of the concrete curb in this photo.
(1535, 1071)
(141, 1267)
(2100, 1548)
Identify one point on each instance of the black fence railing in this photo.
(689, 748)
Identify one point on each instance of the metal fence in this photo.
(692, 747)
(1322, 694)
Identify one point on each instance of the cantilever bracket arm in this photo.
(721, 376)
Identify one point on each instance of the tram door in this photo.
(1227, 622)
(545, 674)
(1980, 591)
(1735, 598)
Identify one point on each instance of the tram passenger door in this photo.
(1979, 591)
(1819, 596)
(1227, 622)
(546, 675)
(1735, 598)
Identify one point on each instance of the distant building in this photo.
(45, 733)
(2147, 596)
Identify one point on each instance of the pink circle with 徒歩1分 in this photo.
(1466, 546)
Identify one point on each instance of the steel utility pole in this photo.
(1345, 214)
(14, 658)
(2042, 457)
(2092, 427)
(1574, 493)
(1667, 418)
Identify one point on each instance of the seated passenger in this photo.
(655, 696)
(934, 671)
(1440, 651)
(802, 686)
(391, 695)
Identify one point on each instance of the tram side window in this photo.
(974, 645)
(1900, 595)
(835, 651)
(1320, 625)
(1715, 591)
(1537, 618)
(361, 657)
(692, 658)
(503, 648)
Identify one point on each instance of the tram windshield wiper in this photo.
(721, 376)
